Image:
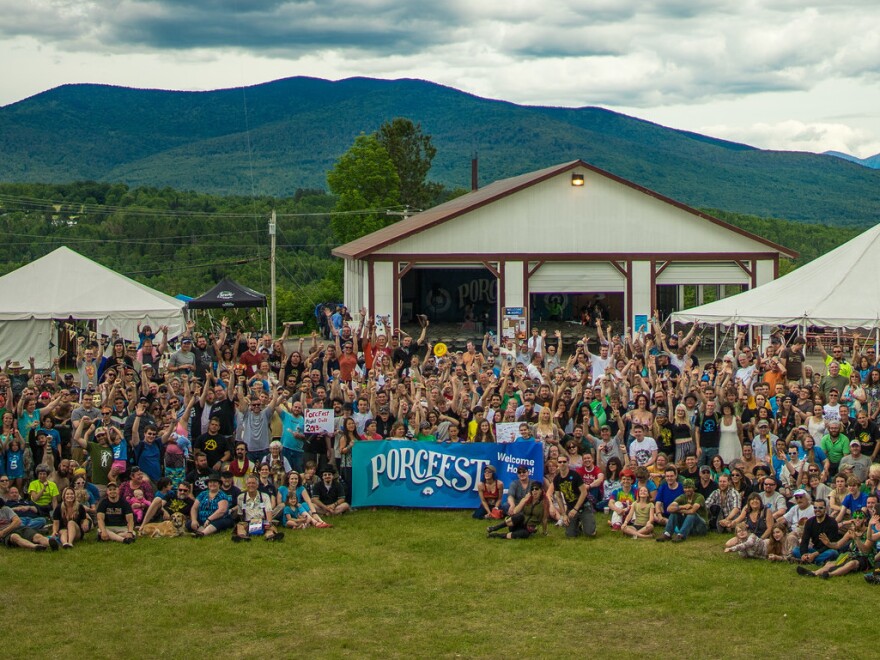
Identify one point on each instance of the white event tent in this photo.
(66, 285)
(834, 291)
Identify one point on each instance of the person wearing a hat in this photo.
(211, 511)
(763, 442)
(183, 361)
(856, 460)
(687, 515)
(328, 496)
(115, 517)
(798, 515)
(531, 511)
(42, 492)
(705, 485)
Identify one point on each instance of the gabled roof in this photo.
(370, 243)
(820, 293)
(64, 283)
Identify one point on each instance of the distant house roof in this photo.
(370, 243)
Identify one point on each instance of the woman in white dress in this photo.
(730, 444)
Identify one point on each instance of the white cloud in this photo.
(793, 135)
(640, 54)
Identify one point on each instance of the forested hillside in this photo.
(278, 137)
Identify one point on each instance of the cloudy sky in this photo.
(780, 74)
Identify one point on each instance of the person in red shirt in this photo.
(251, 358)
(592, 475)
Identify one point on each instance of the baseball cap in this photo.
(800, 492)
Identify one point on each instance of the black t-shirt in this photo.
(114, 512)
(868, 437)
(79, 515)
(233, 492)
(383, 427)
(204, 362)
(664, 439)
(199, 480)
(174, 504)
(569, 486)
(707, 490)
(214, 446)
(224, 410)
(710, 433)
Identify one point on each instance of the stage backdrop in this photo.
(434, 475)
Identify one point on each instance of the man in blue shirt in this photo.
(292, 435)
(666, 494)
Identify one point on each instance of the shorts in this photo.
(119, 466)
(27, 533)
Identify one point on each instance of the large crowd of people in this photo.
(205, 433)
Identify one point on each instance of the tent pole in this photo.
(716, 342)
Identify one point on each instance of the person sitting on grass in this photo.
(328, 496)
(491, 491)
(687, 515)
(666, 494)
(210, 511)
(298, 510)
(813, 547)
(115, 517)
(777, 547)
(570, 492)
(14, 535)
(70, 521)
(255, 514)
(639, 521)
(622, 499)
(857, 552)
(531, 511)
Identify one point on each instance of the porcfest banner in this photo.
(432, 474)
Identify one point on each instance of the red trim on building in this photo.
(480, 257)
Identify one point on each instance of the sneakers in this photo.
(128, 540)
(678, 538)
(236, 538)
(275, 537)
(806, 572)
(67, 546)
(54, 543)
(323, 525)
(40, 548)
(559, 523)
(664, 538)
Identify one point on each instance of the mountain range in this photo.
(871, 161)
(277, 137)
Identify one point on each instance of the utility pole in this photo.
(405, 213)
(272, 269)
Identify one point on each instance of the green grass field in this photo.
(424, 584)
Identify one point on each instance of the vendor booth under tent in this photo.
(37, 299)
(833, 291)
(229, 294)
